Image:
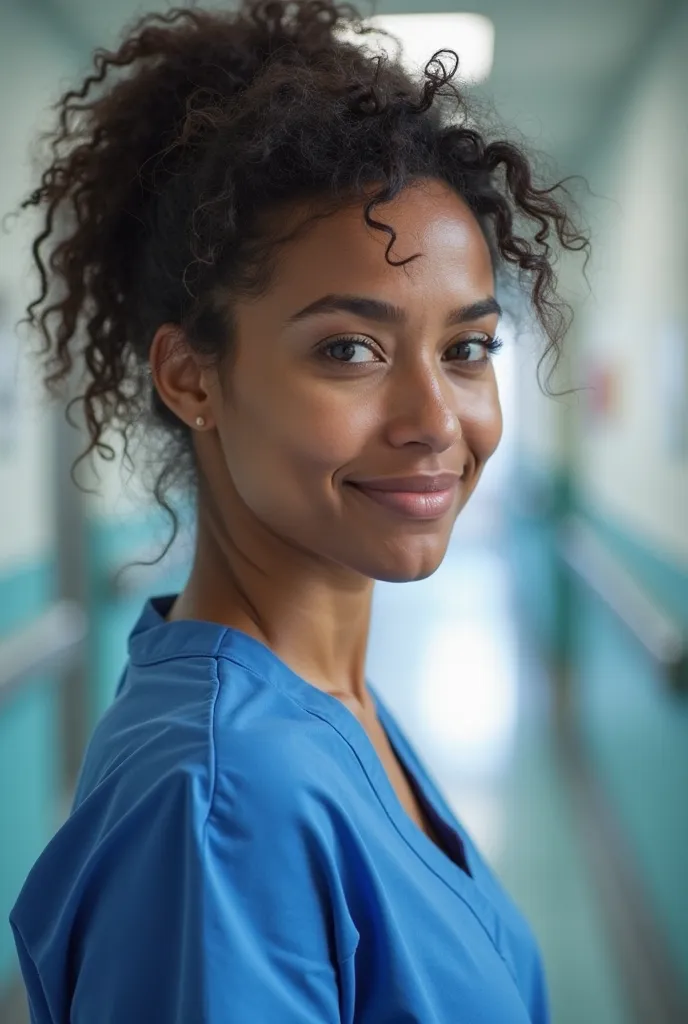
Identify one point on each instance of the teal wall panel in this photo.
(24, 593)
(29, 756)
(533, 557)
(636, 734)
(535, 507)
(635, 730)
(661, 577)
(111, 545)
(28, 800)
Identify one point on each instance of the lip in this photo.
(419, 497)
(420, 483)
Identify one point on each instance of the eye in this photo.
(350, 349)
(474, 350)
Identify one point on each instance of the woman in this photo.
(284, 250)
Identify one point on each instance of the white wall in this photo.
(544, 420)
(625, 464)
(628, 466)
(37, 63)
(33, 63)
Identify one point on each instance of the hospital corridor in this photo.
(541, 673)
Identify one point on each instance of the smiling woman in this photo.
(386, 373)
(279, 255)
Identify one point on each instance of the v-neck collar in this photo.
(416, 777)
(154, 639)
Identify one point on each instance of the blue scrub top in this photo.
(237, 855)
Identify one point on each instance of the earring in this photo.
(200, 421)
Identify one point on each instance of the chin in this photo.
(405, 565)
(404, 575)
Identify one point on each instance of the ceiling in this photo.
(560, 65)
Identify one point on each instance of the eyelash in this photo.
(491, 345)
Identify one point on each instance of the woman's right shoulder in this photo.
(202, 761)
(212, 739)
(202, 835)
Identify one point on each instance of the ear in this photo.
(180, 377)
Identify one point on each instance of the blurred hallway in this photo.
(542, 672)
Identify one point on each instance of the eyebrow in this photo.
(385, 312)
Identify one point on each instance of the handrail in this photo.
(657, 631)
(50, 641)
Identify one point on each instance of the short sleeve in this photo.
(215, 913)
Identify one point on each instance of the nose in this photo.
(423, 411)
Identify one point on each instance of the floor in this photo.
(447, 657)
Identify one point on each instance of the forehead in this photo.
(341, 253)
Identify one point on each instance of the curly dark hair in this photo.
(165, 161)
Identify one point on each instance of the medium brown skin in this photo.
(287, 550)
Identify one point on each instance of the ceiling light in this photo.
(471, 36)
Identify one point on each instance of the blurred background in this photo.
(542, 672)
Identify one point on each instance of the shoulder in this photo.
(204, 787)
(213, 739)
(203, 760)
(274, 762)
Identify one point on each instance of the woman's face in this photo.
(350, 373)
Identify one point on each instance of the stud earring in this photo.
(200, 421)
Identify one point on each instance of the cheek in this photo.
(330, 427)
(481, 422)
(298, 432)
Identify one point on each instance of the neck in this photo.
(314, 615)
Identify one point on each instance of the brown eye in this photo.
(349, 350)
(474, 350)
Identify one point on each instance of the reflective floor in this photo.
(447, 657)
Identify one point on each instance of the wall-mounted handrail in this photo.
(50, 641)
(654, 628)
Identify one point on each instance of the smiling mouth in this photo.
(431, 504)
